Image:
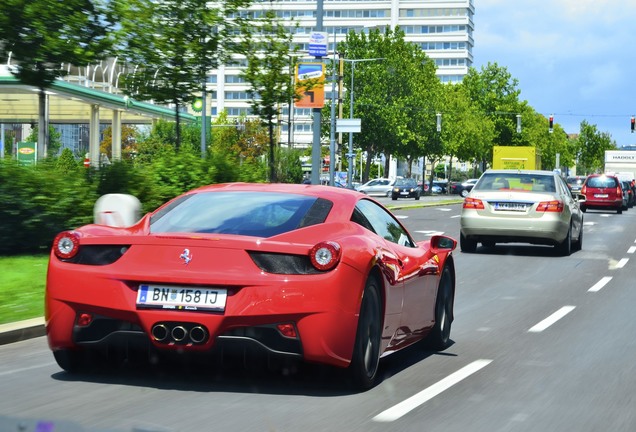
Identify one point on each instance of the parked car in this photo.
(406, 188)
(628, 193)
(379, 186)
(603, 192)
(440, 186)
(311, 273)
(524, 206)
(464, 187)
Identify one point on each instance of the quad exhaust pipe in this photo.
(179, 333)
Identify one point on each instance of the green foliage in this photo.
(267, 46)
(38, 202)
(55, 139)
(67, 163)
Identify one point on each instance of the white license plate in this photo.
(510, 206)
(600, 195)
(404, 193)
(181, 298)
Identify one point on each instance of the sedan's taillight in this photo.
(473, 203)
(66, 245)
(583, 190)
(550, 206)
(325, 255)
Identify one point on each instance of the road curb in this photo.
(21, 330)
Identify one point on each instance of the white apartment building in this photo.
(443, 29)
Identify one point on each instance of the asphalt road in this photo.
(541, 343)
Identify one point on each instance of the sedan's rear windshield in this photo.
(516, 181)
(260, 214)
(601, 182)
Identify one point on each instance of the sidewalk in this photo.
(27, 329)
(21, 330)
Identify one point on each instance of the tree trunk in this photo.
(43, 125)
(272, 165)
(177, 119)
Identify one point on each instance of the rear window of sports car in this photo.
(259, 214)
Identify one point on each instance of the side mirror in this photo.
(443, 243)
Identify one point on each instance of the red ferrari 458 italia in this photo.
(315, 273)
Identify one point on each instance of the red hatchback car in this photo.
(602, 192)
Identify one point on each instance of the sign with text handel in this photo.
(27, 153)
(312, 95)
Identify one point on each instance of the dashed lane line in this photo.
(408, 405)
(600, 284)
(538, 328)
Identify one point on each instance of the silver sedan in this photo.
(521, 206)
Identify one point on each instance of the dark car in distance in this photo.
(406, 188)
(463, 188)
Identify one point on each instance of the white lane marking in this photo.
(589, 223)
(11, 372)
(455, 216)
(407, 405)
(431, 233)
(600, 284)
(605, 215)
(401, 216)
(621, 263)
(444, 209)
(631, 250)
(551, 319)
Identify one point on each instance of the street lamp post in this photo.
(350, 153)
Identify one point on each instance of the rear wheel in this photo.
(467, 245)
(366, 351)
(619, 211)
(578, 244)
(439, 338)
(70, 360)
(464, 193)
(565, 247)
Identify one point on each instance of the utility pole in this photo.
(315, 149)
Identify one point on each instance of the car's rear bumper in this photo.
(544, 230)
(322, 308)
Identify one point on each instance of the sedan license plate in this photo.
(600, 195)
(181, 298)
(510, 206)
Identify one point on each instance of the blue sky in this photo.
(575, 59)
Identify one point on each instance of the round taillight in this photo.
(325, 255)
(66, 245)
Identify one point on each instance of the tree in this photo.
(395, 93)
(495, 92)
(41, 35)
(267, 46)
(55, 139)
(171, 45)
(592, 145)
(128, 140)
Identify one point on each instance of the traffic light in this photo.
(633, 124)
(551, 128)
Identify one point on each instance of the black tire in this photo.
(619, 211)
(439, 337)
(583, 209)
(366, 351)
(417, 197)
(578, 244)
(467, 245)
(71, 360)
(393, 197)
(565, 247)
